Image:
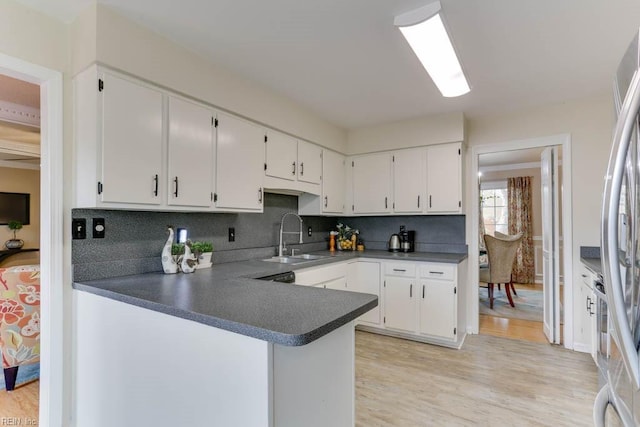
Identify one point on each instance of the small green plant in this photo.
(177, 249)
(14, 226)
(202, 247)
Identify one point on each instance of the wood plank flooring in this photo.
(512, 328)
(491, 381)
(20, 404)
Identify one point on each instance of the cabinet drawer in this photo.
(438, 271)
(400, 269)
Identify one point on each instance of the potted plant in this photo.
(203, 251)
(14, 243)
(177, 250)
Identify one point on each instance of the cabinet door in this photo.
(339, 283)
(332, 182)
(372, 183)
(190, 154)
(309, 162)
(239, 164)
(583, 340)
(438, 308)
(408, 181)
(131, 142)
(364, 276)
(281, 156)
(399, 303)
(444, 178)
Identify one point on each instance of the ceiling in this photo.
(346, 61)
(19, 143)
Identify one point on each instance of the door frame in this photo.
(55, 264)
(563, 140)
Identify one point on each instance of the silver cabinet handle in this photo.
(260, 195)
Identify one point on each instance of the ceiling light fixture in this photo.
(424, 30)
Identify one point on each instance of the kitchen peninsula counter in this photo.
(218, 347)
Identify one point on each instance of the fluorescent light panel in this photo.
(429, 40)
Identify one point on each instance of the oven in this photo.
(603, 337)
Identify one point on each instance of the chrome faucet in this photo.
(281, 245)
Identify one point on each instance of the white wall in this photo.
(128, 47)
(416, 132)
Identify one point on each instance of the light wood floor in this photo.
(20, 404)
(491, 381)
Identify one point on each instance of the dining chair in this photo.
(501, 253)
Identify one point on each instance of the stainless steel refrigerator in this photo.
(618, 401)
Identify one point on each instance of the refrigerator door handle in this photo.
(610, 210)
(600, 406)
(604, 398)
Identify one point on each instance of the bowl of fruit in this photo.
(345, 240)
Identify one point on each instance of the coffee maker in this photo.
(407, 240)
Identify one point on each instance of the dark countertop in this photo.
(594, 264)
(228, 296)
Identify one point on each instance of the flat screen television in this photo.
(14, 207)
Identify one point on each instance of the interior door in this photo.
(550, 245)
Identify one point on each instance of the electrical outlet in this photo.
(79, 228)
(309, 231)
(232, 234)
(98, 228)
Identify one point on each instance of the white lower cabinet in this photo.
(364, 276)
(438, 308)
(399, 303)
(585, 333)
(416, 300)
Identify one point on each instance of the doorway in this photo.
(511, 197)
(54, 260)
(508, 148)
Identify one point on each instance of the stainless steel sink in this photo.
(294, 259)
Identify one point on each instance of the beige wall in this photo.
(121, 44)
(23, 181)
(417, 132)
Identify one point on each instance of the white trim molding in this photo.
(19, 114)
(563, 140)
(55, 255)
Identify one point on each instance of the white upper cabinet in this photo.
(239, 164)
(408, 181)
(119, 141)
(444, 178)
(190, 180)
(281, 156)
(371, 176)
(333, 182)
(309, 163)
(291, 164)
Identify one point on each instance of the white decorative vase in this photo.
(204, 260)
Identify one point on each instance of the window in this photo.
(495, 209)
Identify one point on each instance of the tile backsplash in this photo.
(134, 239)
